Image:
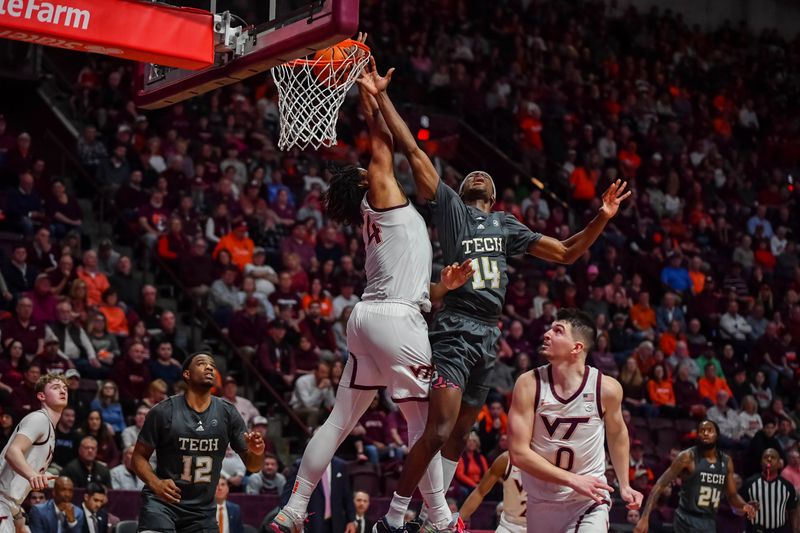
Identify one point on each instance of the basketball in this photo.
(326, 65)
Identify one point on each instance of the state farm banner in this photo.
(140, 31)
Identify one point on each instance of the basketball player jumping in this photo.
(24, 460)
(387, 335)
(465, 332)
(706, 474)
(560, 417)
(190, 434)
(512, 520)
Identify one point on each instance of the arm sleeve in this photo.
(518, 236)
(154, 426)
(236, 429)
(35, 426)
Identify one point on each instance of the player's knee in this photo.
(436, 434)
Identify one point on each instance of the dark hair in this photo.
(188, 361)
(95, 488)
(716, 427)
(342, 200)
(581, 325)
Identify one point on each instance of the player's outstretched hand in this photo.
(255, 442)
(40, 482)
(632, 497)
(371, 81)
(750, 510)
(167, 490)
(455, 275)
(591, 487)
(613, 197)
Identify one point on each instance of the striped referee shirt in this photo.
(777, 501)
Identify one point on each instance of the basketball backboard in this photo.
(288, 29)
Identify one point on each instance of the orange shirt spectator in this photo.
(531, 128)
(708, 387)
(659, 388)
(583, 183)
(324, 301)
(630, 161)
(238, 244)
(643, 316)
(96, 283)
(472, 465)
(698, 281)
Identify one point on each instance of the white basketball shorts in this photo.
(569, 516)
(504, 526)
(389, 347)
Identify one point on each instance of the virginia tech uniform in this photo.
(512, 519)
(387, 336)
(14, 488)
(570, 433)
(465, 332)
(190, 447)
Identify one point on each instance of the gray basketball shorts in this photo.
(463, 355)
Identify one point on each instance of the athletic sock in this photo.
(397, 510)
(298, 501)
(449, 472)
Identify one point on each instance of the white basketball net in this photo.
(310, 93)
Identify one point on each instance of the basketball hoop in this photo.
(311, 91)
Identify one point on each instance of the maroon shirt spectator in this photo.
(306, 356)
(23, 399)
(131, 196)
(319, 330)
(41, 253)
(153, 216)
(518, 302)
(396, 422)
(516, 339)
(12, 366)
(374, 423)
(248, 327)
(188, 216)
(62, 277)
(284, 296)
(22, 328)
(44, 302)
(297, 243)
(50, 361)
(197, 269)
(132, 375)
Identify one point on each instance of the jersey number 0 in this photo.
(485, 271)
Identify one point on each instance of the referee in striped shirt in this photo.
(778, 510)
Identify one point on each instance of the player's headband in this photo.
(478, 173)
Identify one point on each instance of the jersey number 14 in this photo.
(486, 271)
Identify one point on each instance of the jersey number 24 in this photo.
(486, 271)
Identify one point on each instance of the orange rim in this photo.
(347, 43)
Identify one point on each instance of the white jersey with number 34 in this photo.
(568, 432)
(39, 429)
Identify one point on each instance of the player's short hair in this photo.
(188, 361)
(342, 200)
(95, 488)
(581, 325)
(46, 379)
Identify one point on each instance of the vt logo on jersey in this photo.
(422, 372)
(572, 422)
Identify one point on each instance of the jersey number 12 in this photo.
(201, 466)
(488, 273)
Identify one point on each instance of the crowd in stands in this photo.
(695, 286)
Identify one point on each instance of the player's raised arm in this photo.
(569, 250)
(681, 463)
(748, 509)
(520, 434)
(489, 479)
(618, 440)
(384, 191)
(425, 175)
